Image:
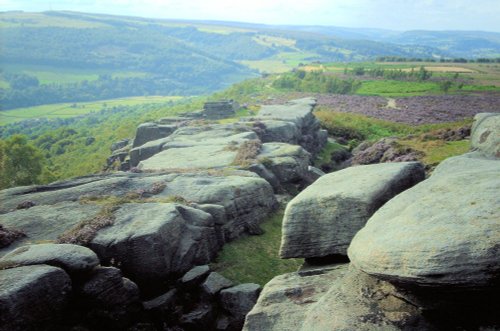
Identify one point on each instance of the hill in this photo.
(61, 56)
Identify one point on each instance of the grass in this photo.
(255, 258)
(437, 150)
(281, 62)
(65, 110)
(325, 156)
(395, 88)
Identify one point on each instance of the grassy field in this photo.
(255, 258)
(394, 88)
(63, 110)
(282, 62)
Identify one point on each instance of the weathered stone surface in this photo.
(71, 258)
(43, 223)
(152, 131)
(195, 276)
(146, 151)
(278, 131)
(323, 218)
(444, 231)
(32, 297)
(384, 150)
(357, 301)
(243, 196)
(201, 318)
(110, 299)
(239, 300)
(151, 241)
(163, 303)
(214, 283)
(286, 299)
(485, 135)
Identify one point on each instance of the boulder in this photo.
(72, 258)
(214, 283)
(195, 276)
(485, 135)
(286, 299)
(356, 301)
(110, 300)
(152, 131)
(152, 241)
(201, 318)
(147, 150)
(442, 232)
(162, 303)
(384, 150)
(238, 301)
(32, 297)
(323, 218)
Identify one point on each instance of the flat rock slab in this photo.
(32, 297)
(45, 223)
(298, 111)
(444, 231)
(284, 301)
(152, 241)
(485, 135)
(71, 258)
(323, 218)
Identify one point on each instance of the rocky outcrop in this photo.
(32, 297)
(444, 231)
(323, 218)
(152, 131)
(485, 135)
(72, 258)
(384, 150)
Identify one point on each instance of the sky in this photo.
(385, 14)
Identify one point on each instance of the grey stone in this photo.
(152, 131)
(239, 300)
(32, 297)
(162, 303)
(356, 301)
(147, 150)
(110, 299)
(442, 232)
(195, 276)
(71, 258)
(152, 241)
(199, 319)
(485, 136)
(286, 299)
(214, 283)
(45, 223)
(323, 218)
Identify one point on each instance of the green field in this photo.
(281, 62)
(394, 88)
(65, 110)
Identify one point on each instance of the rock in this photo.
(152, 241)
(32, 297)
(384, 150)
(277, 131)
(485, 135)
(8, 236)
(152, 131)
(162, 304)
(238, 301)
(285, 300)
(195, 276)
(356, 301)
(214, 283)
(200, 318)
(244, 197)
(111, 301)
(119, 144)
(147, 150)
(45, 223)
(443, 232)
(323, 218)
(71, 258)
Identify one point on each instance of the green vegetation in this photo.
(315, 81)
(65, 110)
(324, 158)
(436, 151)
(21, 163)
(395, 88)
(255, 258)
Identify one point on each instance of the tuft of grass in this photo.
(326, 154)
(255, 259)
(436, 151)
(247, 152)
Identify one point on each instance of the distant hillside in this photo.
(55, 56)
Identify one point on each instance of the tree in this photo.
(20, 162)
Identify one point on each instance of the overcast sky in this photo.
(386, 14)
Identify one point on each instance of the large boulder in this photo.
(238, 301)
(444, 231)
(485, 135)
(357, 301)
(152, 241)
(214, 283)
(323, 218)
(286, 299)
(32, 297)
(72, 258)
